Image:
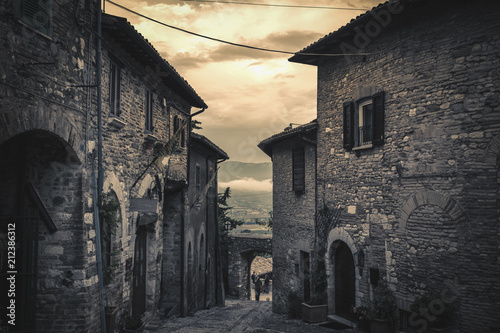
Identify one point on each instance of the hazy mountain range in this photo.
(251, 188)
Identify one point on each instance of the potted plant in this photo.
(383, 309)
(434, 314)
(360, 315)
(134, 324)
(316, 310)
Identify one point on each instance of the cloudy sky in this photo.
(250, 94)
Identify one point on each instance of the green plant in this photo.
(108, 213)
(431, 308)
(383, 304)
(133, 322)
(294, 305)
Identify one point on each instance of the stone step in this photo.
(341, 320)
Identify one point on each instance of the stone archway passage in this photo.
(240, 250)
(345, 283)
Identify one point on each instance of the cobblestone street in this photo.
(240, 316)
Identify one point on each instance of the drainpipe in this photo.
(100, 171)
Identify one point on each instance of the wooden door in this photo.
(139, 290)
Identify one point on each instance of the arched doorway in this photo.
(345, 280)
(40, 176)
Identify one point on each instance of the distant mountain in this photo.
(251, 188)
(232, 170)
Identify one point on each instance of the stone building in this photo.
(49, 140)
(293, 153)
(192, 280)
(408, 143)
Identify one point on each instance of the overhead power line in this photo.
(231, 43)
(277, 5)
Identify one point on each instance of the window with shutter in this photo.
(298, 169)
(114, 89)
(364, 122)
(37, 14)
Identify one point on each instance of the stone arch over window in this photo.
(445, 202)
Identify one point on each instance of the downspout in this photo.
(100, 172)
(184, 301)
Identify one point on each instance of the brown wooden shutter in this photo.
(348, 125)
(298, 170)
(378, 118)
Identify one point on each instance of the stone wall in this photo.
(423, 206)
(293, 222)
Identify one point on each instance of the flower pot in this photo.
(111, 312)
(136, 330)
(314, 313)
(381, 326)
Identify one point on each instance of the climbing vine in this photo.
(108, 213)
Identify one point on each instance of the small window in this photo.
(114, 89)
(37, 14)
(149, 111)
(198, 183)
(298, 170)
(364, 122)
(181, 136)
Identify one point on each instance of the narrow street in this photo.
(240, 316)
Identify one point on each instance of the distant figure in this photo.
(253, 277)
(258, 288)
(266, 284)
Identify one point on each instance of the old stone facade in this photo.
(50, 165)
(407, 159)
(293, 154)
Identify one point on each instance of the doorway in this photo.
(345, 283)
(139, 292)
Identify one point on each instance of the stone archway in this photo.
(341, 273)
(40, 194)
(241, 252)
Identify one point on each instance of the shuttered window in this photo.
(149, 111)
(364, 122)
(114, 89)
(37, 14)
(298, 170)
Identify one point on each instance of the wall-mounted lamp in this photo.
(359, 256)
(228, 225)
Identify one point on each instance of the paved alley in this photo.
(240, 316)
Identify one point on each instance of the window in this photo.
(37, 14)
(364, 122)
(298, 170)
(198, 183)
(149, 111)
(114, 89)
(181, 135)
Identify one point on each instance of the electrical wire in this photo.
(231, 43)
(276, 5)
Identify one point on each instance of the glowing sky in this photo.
(250, 94)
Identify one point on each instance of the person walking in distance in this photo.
(258, 288)
(266, 284)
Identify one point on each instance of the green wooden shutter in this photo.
(348, 125)
(378, 118)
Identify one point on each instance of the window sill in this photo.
(35, 30)
(116, 122)
(150, 137)
(368, 146)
